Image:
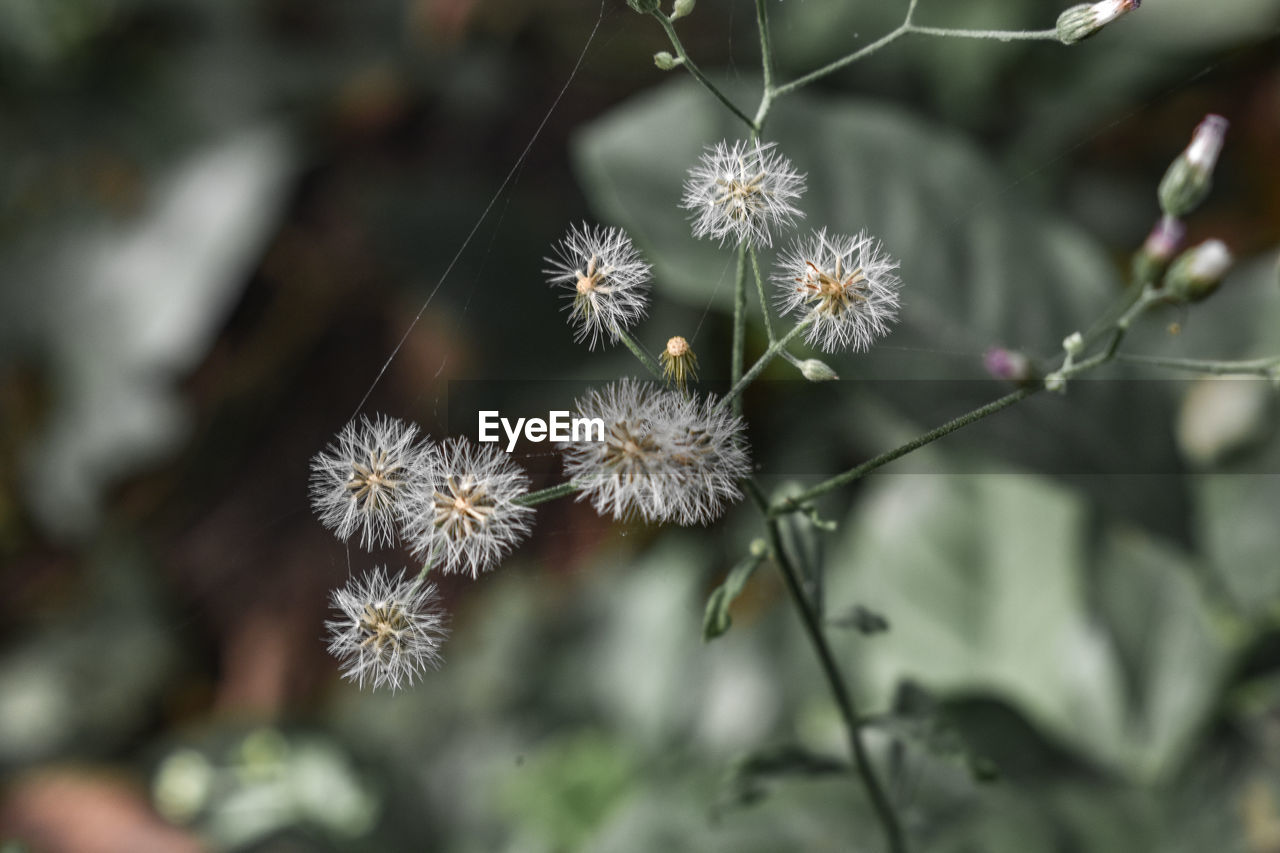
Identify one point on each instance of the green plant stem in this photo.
(796, 503)
(994, 35)
(736, 356)
(735, 393)
(906, 28)
(548, 494)
(840, 691)
(766, 46)
(638, 351)
(697, 72)
(835, 66)
(1266, 367)
(764, 303)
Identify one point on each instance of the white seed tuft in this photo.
(742, 191)
(388, 631)
(358, 482)
(605, 279)
(462, 516)
(844, 286)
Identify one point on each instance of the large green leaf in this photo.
(986, 583)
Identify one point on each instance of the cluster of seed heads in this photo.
(668, 455)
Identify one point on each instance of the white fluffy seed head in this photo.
(605, 280)
(666, 456)
(462, 515)
(388, 631)
(359, 480)
(742, 192)
(844, 286)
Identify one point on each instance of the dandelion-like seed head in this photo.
(358, 482)
(679, 362)
(605, 279)
(463, 514)
(742, 191)
(388, 631)
(666, 456)
(845, 287)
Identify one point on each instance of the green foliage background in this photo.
(218, 218)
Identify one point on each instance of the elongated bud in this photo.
(665, 61)
(1080, 22)
(1161, 247)
(817, 371)
(682, 8)
(1198, 271)
(1190, 176)
(1007, 365)
(644, 7)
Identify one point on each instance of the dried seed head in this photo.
(604, 278)
(845, 287)
(742, 191)
(666, 456)
(388, 631)
(462, 514)
(358, 482)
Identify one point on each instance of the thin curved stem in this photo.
(994, 35)
(835, 66)
(794, 504)
(1266, 367)
(840, 691)
(736, 356)
(638, 351)
(764, 303)
(548, 494)
(766, 46)
(697, 72)
(735, 393)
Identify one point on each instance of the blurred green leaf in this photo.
(716, 619)
(985, 581)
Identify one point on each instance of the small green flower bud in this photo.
(816, 371)
(1073, 344)
(682, 8)
(1161, 246)
(644, 7)
(665, 61)
(1198, 271)
(1080, 22)
(1190, 177)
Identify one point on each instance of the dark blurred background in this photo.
(219, 218)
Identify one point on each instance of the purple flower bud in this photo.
(1007, 365)
(1165, 239)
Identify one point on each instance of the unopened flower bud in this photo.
(1161, 247)
(679, 363)
(817, 371)
(1073, 344)
(1190, 176)
(1080, 22)
(644, 7)
(1007, 365)
(682, 8)
(665, 61)
(1198, 271)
